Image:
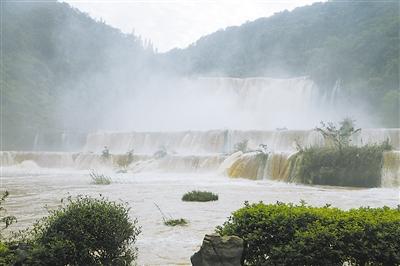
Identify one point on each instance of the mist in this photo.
(93, 77)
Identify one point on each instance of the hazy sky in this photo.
(178, 23)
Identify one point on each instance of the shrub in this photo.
(339, 137)
(201, 196)
(287, 234)
(6, 256)
(168, 220)
(125, 160)
(349, 166)
(5, 219)
(175, 222)
(99, 179)
(85, 231)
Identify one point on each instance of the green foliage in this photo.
(56, 61)
(169, 221)
(105, 153)
(201, 196)
(175, 222)
(5, 219)
(6, 256)
(287, 234)
(349, 166)
(338, 137)
(85, 231)
(124, 161)
(99, 179)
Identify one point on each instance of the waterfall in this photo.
(223, 141)
(36, 142)
(42, 159)
(248, 165)
(391, 169)
(278, 167)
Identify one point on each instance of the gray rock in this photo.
(219, 251)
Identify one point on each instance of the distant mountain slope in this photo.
(62, 71)
(55, 60)
(356, 42)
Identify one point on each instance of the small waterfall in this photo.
(223, 141)
(7, 158)
(36, 142)
(248, 165)
(64, 140)
(391, 169)
(183, 142)
(335, 92)
(278, 167)
(378, 135)
(42, 159)
(256, 165)
(85, 161)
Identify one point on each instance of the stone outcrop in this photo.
(219, 251)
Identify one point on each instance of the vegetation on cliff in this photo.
(339, 163)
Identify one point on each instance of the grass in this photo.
(175, 222)
(201, 196)
(99, 179)
(169, 221)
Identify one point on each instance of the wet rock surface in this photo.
(219, 251)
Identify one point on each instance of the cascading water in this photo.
(260, 103)
(223, 141)
(391, 169)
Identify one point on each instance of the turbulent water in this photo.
(237, 103)
(195, 159)
(33, 188)
(223, 141)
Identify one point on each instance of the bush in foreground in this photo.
(6, 256)
(86, 231)
(201, 196)
(286, 234)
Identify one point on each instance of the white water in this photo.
(158, 244)
(196, 160)
(223, 141)
(38, 179)
(224, 102)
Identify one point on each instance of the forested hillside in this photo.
(55, 60)
(62, 71)
(355, 42)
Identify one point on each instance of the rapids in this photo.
(195, 160)
(35, 190)
(223, 141)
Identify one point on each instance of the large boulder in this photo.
(219, 251)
